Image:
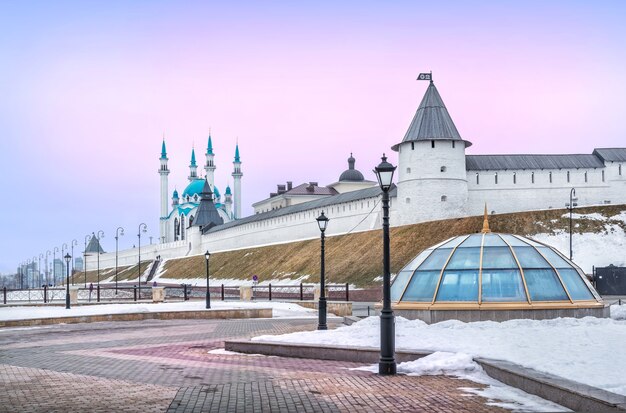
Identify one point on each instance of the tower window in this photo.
(444, 198)
(432, 144)
(477, 178)
(568, 176)
(496, 178)
(603, 176)
(550, 177)
(619, 169)
(412, 146)
(532, 177)
(514, 177)
(443, 169)
(585, 176)
(453, 144)
(408, 200)
(408, 170)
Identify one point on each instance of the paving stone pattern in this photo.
(164, 366)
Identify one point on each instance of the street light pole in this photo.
(74, 242)
(322, 222)
(570, 206)
(67, 281)
(119, 231)
(145, 229)
(207, 255)
(100, 235)
(387, 364)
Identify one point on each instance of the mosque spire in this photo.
(163, 151)
(193, 167)
(237, 153)
(209, 149)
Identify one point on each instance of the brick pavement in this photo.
(164, 365)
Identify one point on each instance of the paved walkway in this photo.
(165, 365)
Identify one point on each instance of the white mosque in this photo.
(436, 180)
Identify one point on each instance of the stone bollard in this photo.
(74, 294)
(316, 293)
(245, 293)
(158, 294)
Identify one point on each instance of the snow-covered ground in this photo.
(587, 350)
(279, 310)
(591, 249)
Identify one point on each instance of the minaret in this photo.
(228, 202)
(209, 167)
(237, 183)
(193, 168)
(164, 172)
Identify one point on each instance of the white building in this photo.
(436, 180)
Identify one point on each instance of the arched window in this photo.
(619, 169)
(453, 144)
(444, 198)
(585, 176)
(477, 179)
(195, 198)
(602, 175)
(191, 220)
(496, 178)
(443, 169)
(432, 144)
(408, 200)
(514, 177)
(408, 170)
(532, 177)
(568, 176)
(182, 227)
(412, 146)
(550, 176)
(176, 229)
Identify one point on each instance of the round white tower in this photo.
(237, 174)
(163, 172)
(432, 180)
(209, 167)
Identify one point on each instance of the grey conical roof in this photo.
(207, 215)
(431, 121)
(94, 246)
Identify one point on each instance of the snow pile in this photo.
(463, 366)
(618, 312)
(279, 310)
(595, 216)
(573, 348)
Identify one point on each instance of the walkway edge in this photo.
(163, 315)
(573, 395)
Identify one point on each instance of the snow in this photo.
(279, 310)
(223, 352)
(590, 249)
(573, 348)
(463, 366)
(595, 216)
(618, 312)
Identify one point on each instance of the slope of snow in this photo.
(573, 348)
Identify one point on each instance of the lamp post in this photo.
(322, 222)
(387, 364)
(207, 255)
(145, 229)
(67, 281)
(98, 236)
(119, 231)
(54, 267)
(46, 272)
(74, 242)
(570, 206)
(87, 238)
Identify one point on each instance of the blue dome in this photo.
(194, 188)
(216, 193)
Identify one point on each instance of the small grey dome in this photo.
(351, 174)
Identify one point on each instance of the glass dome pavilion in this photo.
(492, 271)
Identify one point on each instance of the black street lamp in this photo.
(387, 364)
(74, 243)
(87, 237)
(145, 229)
(322, 222)
(570, 207)
(119, 231)
(98, 236)
(207, 255)
(67, 281)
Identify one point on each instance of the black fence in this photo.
(610, 280)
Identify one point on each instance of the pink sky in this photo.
(89, 90)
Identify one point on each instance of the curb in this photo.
(573, 395)
(165, 315)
